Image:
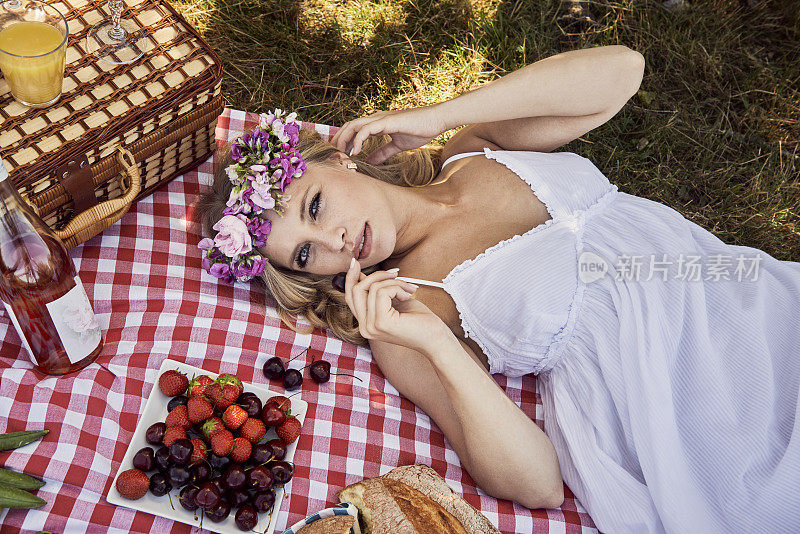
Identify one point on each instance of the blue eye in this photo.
(302, 256)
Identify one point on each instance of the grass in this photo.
(713, 131)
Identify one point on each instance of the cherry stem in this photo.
(345, 374)
(301, 352)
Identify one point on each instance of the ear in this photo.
(341, 159)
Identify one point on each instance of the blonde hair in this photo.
(311, 295)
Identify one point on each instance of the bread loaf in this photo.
(336, 524)
(413, 499)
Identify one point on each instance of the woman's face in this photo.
(336, 203)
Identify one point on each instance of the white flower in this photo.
(80, 319)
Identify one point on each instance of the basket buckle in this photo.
(76, 177)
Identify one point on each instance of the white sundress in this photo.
(671, 401)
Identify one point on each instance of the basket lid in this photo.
(103, 104)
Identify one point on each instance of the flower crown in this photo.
(265, 162)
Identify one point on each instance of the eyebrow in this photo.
(302, 219)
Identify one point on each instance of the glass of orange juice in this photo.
(33, 44)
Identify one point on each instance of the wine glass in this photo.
(114, 40)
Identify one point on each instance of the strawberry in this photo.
(199, 451)
(211, 427)
(283, 403)
(133, 484)
(222, 443)
(198, 385)
(199, 409)
(289, 430)
(173, 433)
(234, 416)
(231, 380)
(229, 395)
(253, 430)
(241, 450)
(179, 416)
(214, 394)
(173, 383)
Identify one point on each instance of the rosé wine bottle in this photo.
(41, 291)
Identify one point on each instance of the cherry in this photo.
(320, 371)
(187, 498)
(278, 448)
(238, 497)
(155, 433)
(178, 475)
(262, 453)
(159, 485)
(199, 473)
(218, 463)
(162, 458)
(207, 496)
(274, 368)
(180, 452)
(144, 459)
(234, 477)
(272, 415)
(263, 500)
(338, 281)
(217, 481)
(282, 471)
(175, 401)
(246, 517)
(292, 379)
(219, 512)
(251, 403)
(260, 478)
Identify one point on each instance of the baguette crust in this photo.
(413, 499)
(427, 481)
(336, 524)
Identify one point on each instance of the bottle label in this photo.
(19, 331)
(75, 322)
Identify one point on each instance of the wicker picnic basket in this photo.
(163, 108)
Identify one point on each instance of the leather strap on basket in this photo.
(76, 177)
(91, 222)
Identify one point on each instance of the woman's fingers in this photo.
(364, 132)
(341, 139)
(379, 305)
(356, 287)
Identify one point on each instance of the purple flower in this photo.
(293, 131)
(233, 238)
(259, 229)
(206, 264)
(236, 153)
(259, 265)
(223, 272)
(205, 244)
(241, 270)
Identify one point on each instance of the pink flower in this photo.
(261, 196)
(233, 238)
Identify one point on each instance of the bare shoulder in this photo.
(467, 140)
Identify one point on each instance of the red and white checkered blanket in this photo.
(153, 300)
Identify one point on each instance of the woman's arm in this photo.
(504, 451)
(574, 83)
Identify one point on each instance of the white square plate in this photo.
(156, 410)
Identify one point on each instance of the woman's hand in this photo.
(386, 310)
(408, 129)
